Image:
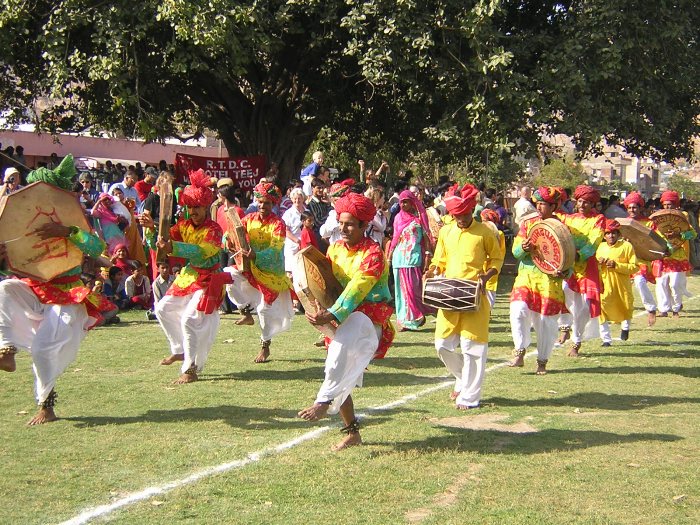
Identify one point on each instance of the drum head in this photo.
(553, 248)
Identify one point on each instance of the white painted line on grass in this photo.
(144, 494)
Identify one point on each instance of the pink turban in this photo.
(587, 193)
(357, 205)
(267, 190)
(634, 198)
(671, 196)
(461, 201)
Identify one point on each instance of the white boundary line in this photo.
(144, 494)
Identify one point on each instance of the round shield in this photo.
(553, 248)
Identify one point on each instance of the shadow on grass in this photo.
(408, 363)
(693, 373)
(549, 440)
(597, 400)
(235, 416)
(673, 354)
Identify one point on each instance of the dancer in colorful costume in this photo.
(266, 287)
(537, 298)
(189, 312)
(50, 319)
(466, 249)
(363, 311)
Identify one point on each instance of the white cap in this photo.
(9, 172)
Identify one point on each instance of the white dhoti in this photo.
(522, 319)
(52, 333)
(606, 335)
(648, 300)
(189, 331)
(583, 327)
(670, 289)
(468, 367)
(355, 342)
(274, 318)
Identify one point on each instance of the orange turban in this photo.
(587, 193)
(267, 190)
(634, 198)
(461, 201)
(671, 196)
(357, 205)
(198, 192)
(611, 225)
(548, 194)
(490, 215)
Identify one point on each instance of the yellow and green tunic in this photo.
(541, 292)
(588, 232)
(679, 260)
(266, 238)
(464, 254)
(68, 288)
(364, 274)
(617, 300)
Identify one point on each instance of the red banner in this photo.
(247, 171)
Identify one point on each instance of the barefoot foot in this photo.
(454, 395)
(573, 351)
(651, 318)
(246, 320)
(466, 407)
(45, 415)
(314, 412)
(264, 354)
(7, 363)
(172, 358)
(187, 377)
(351, 440)
(517, 362)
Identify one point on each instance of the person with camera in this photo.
(12, 180)
(89, 195)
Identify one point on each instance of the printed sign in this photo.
(247, 171)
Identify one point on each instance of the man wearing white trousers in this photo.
(362, 310)
(467, 250)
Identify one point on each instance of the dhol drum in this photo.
(25, 210)
(553, 250)
(648, 245)
(671, 222)
(458, 295)
(315, 284)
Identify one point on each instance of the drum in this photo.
(553, 250)
(22, 212)
(458, 295)
(648, 245)
(315, 284)
(238, 235)
(434, 221)
(671, 221)
(165, 192)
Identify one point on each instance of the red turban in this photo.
(267, 190)
(611, 225)
(340, 188)
(587, 193)
(198, 192)
(634, 198)
(562, 192)
(671, 196)
(488, 214)
(461, 201)
(357, 205)
(548, 194)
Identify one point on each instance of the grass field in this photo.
(610, 438)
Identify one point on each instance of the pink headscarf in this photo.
(403, 219)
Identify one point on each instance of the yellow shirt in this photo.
(466, 254)
(617, 300)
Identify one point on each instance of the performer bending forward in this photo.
(466, 249)
(50, 319)
(362, 310)
(189, 312)
(266, 286)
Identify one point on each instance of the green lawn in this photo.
(610, 438)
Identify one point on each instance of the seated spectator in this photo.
(138, 287)
(121, 260)
(113, 288)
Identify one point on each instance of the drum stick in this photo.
(656, 251)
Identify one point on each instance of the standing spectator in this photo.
(144, 187)
(19, 157)
(292, 219)
(89, 195)
(523, 206)
(614, 210)
(127, 187)
(311, 171)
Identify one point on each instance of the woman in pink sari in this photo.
(410, 246)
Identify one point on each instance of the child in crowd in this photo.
(160, 285)
(617, 262)
(113, 288)
(138, 287)
(308, 237)
(120, 259)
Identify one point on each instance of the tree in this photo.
(566, 173)
(462, 79)
(686, 188)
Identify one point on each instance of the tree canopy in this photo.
(461, 78)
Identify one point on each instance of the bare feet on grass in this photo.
(651, 318)
(264, 354)
(45, 415)
(314, 412)
(517, 362)
(573, 351)
(7, 363)
(172, 358)
(351, 440)
(454, 395)
(541, 369)
(466, 407)
(246, 320)
(187, 377)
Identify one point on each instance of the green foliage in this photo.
(617, 186)
(565, 172)
(685, 187)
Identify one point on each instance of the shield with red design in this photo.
(25, 210)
